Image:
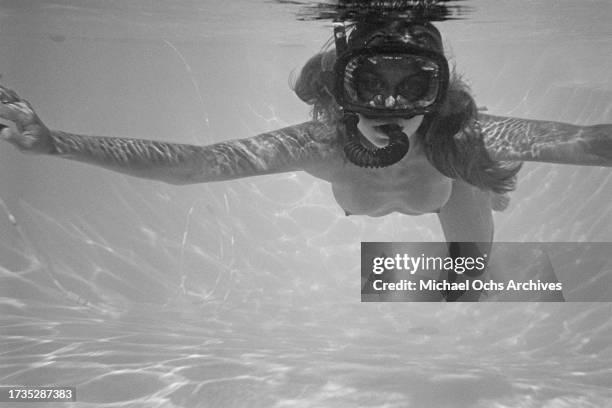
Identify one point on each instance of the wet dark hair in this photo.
(451, 136)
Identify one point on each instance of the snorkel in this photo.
(376, 157)
(417, 45)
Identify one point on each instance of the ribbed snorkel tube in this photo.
(361, 156)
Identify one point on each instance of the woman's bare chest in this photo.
(412, 186)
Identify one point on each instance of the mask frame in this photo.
(391, 45)
(347, 104)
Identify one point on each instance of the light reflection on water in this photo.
(216, 356)
(213, 319)
(246, 293)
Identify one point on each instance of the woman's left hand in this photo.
(21, 126)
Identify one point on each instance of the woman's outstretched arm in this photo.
(288, 149)
(292, 148)
(513, 139)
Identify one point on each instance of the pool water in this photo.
(246, 293)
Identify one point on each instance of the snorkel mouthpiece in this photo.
(361, 156)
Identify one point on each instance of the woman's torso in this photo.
(411, 186)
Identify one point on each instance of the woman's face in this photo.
(393, 82)
(370, 128)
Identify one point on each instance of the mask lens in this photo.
(390, 83)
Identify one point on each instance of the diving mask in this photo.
(390, 82)
(389, 76)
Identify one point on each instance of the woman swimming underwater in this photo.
(393, 131)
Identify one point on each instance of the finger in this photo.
(21, 107)
(4, 88)
(26, 103)
(8, 115)
(6, 124)
(8, 95)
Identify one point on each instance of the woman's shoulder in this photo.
(312, 133)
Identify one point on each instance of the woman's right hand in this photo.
(28, 134)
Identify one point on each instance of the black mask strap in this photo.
(340, 39)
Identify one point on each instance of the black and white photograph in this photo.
(275, 203)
